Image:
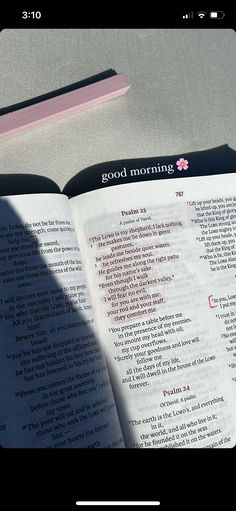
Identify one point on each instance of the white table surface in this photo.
(182, 96)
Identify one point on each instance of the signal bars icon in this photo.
(187, 16)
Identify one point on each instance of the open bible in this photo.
(118, 305)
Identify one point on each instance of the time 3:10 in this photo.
(31, 15)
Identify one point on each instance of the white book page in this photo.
(161, 262)
(55, 389)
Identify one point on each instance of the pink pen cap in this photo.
(54, 105)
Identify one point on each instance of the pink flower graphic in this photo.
(182, 164)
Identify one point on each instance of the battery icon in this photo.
(217, 15)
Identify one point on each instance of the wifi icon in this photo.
(201, 14)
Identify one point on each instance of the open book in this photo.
(118, 305)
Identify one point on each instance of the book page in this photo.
(55, 388)
(161, 261)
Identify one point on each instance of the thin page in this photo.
(55, 389)
(161, 262)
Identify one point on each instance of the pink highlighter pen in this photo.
(54, 105)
